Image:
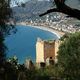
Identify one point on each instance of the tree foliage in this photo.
(5, 26)
(5, 15)
(6, 69)
(2, 49)
(69, 57)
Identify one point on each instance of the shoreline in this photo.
(53, 31)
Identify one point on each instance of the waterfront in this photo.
(44, 27)
(23, 43)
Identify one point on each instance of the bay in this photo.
(23, 42)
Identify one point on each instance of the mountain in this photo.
(31, 10)
(73, 3)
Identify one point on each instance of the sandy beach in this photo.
(58, 33)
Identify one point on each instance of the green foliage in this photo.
(2, 49)
(69, 57)
(50, 72)
(5, 15)
(13, 61)
(10, 72)
(65, 36)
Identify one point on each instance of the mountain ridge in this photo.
(31, 9)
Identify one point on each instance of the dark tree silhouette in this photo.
(5, 14)
(63, 8)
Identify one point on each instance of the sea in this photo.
(23, 43)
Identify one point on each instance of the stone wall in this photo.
(46, 50)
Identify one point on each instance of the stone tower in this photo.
(46, 50)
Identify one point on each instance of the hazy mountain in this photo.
(33, 8)
(73, 3)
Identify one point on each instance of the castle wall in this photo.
(46, 50)
(49, 50)
(57, 43)
(39, 51)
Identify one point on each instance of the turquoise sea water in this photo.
(23, 42)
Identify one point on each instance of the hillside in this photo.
(31, 10)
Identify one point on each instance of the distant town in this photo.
(60, 23)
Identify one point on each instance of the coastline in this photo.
(53, 31)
